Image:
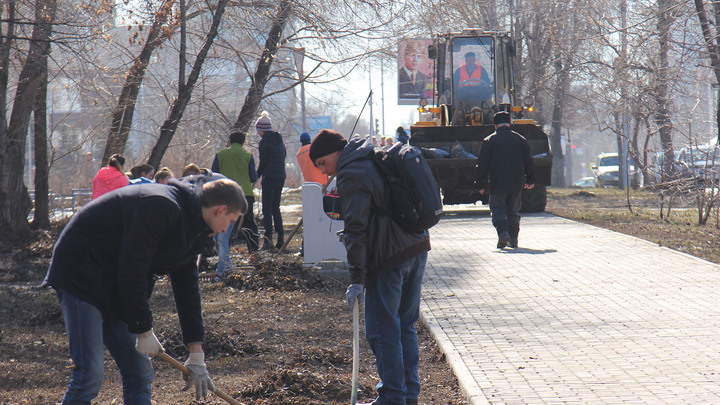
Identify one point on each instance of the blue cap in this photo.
(304, 138)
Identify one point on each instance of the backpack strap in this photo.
(388, 178)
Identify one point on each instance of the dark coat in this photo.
(272, 156)
(375, 243)
(505, 159)
(113, 249)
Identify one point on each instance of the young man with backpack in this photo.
(386, 260)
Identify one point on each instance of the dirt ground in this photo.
(277, 333)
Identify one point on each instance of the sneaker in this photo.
(503, 240)
(513, 243)
(217, 278)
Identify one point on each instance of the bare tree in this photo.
(41, 217)
(122, 115)
(167, 131)
(14, 199)
(711, 35)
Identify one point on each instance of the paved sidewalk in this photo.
(577, 314)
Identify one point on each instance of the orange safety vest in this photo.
(309, 170)
(470, 80)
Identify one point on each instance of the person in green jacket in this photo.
(238, 164)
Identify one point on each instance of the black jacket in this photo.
(505, 159)
(272, 156)
(374, 243)
(113, 249)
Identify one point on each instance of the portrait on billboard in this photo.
(415, 71)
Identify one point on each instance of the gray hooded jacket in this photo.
(374, 242)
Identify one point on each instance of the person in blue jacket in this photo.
(272, 170)
(105, 264)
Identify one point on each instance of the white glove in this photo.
(199, 376)
(148, 343)
(355, 291)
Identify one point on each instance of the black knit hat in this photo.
(326, 142)
(501, 117)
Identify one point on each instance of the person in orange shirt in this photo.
(309, 170)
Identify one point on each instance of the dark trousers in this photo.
(504, 209)
(271, 192)
(249, 226)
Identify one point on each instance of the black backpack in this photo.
(413, 196)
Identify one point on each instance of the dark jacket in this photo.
(504, 159)
(113, 249)
(375, 243)
(272, 156)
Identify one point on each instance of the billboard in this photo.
(416, 76)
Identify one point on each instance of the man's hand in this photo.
(355, 290)
(148, 343)
(527, 186)
(481, 191)
(199, 377)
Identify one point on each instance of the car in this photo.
(701, 162)
(606, 170)
(585, 182)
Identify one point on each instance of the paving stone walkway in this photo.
(576, 314)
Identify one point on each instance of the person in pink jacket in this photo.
(110, 177)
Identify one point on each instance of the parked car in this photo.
(585, 182)
(701, 162)
(606, 170)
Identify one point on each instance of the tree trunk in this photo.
(14, 199)
(122, 115)
(41, 219)
(168, 128)
(711, 36)
(5, 47)
(662, 114)
(558, 164)
(260, 78)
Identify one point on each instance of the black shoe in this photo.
(267, 244)
(513, 243)
(503, 240)
(280, 241)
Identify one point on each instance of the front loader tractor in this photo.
(473, 81)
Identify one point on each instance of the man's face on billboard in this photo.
(412, 60)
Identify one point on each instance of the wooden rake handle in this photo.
(171, 360)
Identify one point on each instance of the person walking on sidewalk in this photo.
(272, 170)
(505, 160)
(105, 264)
(386, 261)
(237, 164)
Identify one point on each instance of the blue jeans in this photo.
(223, 247)
(392, 306)
(88, 333)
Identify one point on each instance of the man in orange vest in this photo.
(471, 74)
(309, 170)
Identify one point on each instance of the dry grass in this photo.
(608, 208)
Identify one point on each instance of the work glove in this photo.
(199, 377)
(148, 343)
(355, 290)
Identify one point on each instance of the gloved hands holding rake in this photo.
(199, 377)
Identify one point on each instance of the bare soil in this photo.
(277, 333)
